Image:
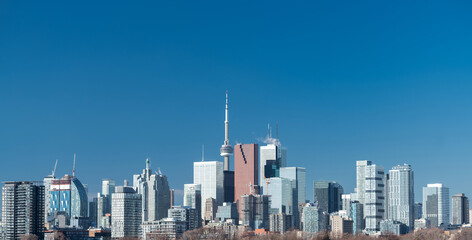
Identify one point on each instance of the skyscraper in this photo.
(401, 195)
(360, 188)
(108, 187)
(69, 195)
(328, 195)
(22, 209)
(357, 215)
(272, 157)
(280, 190)
(374, 197)
(210, 176)
(297, 176)
(460, 209)
(127, 213)
(436, 204)
(255, 211)
(246, 171)
(155, 193)
(193, 199)
(314, 219)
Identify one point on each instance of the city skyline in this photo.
(394, 91)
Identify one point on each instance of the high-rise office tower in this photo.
(360, 188)
(401, 196)
(246, 171)
(93, 212)
(272, 157)
(210, 176)
(69, 195)
(436, 204)
(280, 190)
(314, 219)
(155, 193)
(126, 209)
(374, 197)
(460, 209)
(418, 210)
(346, 202)
(108, 187)
(357, 216)
(226, 151)
(193, 199)
(328, 195)
(255, 211)
(22, 210)
(297, 175)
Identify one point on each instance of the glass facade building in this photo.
(70, 196)
(460, 209)
(280, 192)
(210, 176)
(436, 204)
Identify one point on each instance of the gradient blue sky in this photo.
(117, 82)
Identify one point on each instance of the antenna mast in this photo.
(203, 152)
(73, 167)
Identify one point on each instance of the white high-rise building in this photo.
(210, 176)
(360, 188)
(436, 204)
(401, 196)
(374, 198)
(127, 213)
(108, 187)
(155, 193)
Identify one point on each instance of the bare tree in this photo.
(29, 237)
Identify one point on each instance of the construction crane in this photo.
(54, 170)
(73, 167)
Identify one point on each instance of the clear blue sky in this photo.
(117, 82)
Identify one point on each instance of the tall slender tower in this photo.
(226, 150)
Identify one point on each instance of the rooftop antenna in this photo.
(277, 130)
(268, 130)
(73, 167)
(54, 170)
(203, 152)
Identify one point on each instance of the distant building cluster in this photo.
(261, 195)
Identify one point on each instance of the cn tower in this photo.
(226, 150)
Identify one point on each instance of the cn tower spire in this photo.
(226, 150)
